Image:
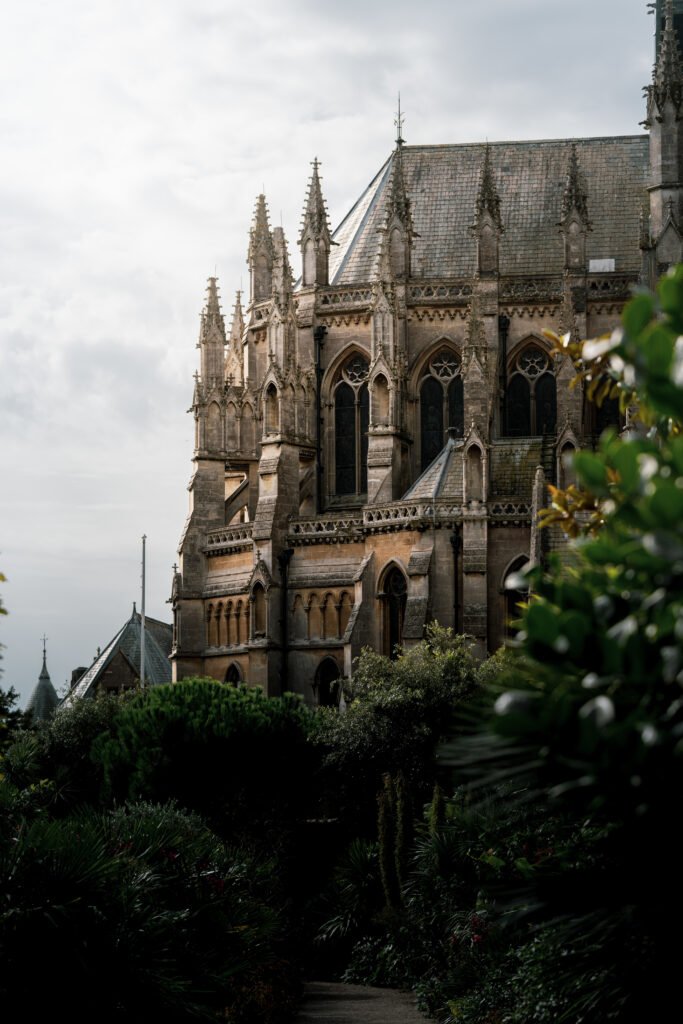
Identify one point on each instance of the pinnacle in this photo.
(668, 75)
(237, 323)
(315, 211)
(399, 203)
(574, 197)
(488, 200)
(260, 236)
(212, 322)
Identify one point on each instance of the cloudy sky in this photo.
(135, 139)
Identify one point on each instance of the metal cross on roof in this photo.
(399, 121)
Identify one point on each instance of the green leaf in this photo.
(541, 624)
(626, 463)
(638, 314)
(591, 471)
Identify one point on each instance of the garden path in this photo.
(331, 1003)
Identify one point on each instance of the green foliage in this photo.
(240, 759)
(146, 914)
(63, 751)
(395, 717)
(587, 718)
(12, 719)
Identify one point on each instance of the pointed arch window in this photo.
(351, 423)
(395, 599)
(441, 404)
(531, 399)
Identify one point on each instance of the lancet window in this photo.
(395, 597)
(531, 399)
(441, 404)
(351, 422)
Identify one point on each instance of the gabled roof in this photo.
(442, 478)
(443, 182)
(158, 639)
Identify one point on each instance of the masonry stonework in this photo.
(371, 440)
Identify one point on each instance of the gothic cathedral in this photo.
(373, 439)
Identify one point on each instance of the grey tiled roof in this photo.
(442, 478)
(158, 639)
(443, 182)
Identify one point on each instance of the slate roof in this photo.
(443, 183)
(442, 478)
(44, 699)
(158, 640)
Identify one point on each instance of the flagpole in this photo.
(142, 617)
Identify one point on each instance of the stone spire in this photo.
(212, 339)
(282, 272)
(574, 197)
(237, 324)
(574, 223)
(399, 203)
(44, 699)
(315, 238)
(315, 221)
(488, 224)
(398, 232)
(488, 200)
(234, 360)
(260, 255)
(667, 76)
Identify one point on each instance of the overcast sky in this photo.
(135, 139)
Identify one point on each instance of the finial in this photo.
(175, 568)
(44, 639)
(399, 121)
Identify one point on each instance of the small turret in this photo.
(212, 339)
(44, 699)
(488, 225)
(315, 238)
(574, 223)
(260, 256)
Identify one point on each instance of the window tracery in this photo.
(351, 423)
(531, 399)
(441, 404)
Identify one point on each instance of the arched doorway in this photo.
(326, 684)
(513, 595)
(233, 676)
